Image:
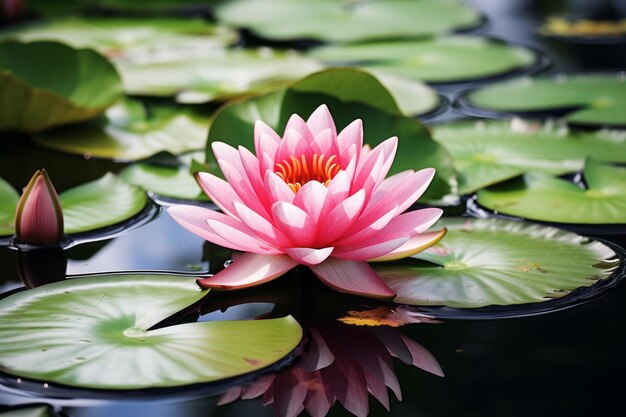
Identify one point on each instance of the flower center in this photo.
(297, 172)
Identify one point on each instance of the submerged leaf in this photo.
(499, 262)
(70, 332)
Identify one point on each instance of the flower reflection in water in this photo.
(341, 363)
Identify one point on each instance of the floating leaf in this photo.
(100, 203)
(165, 180)
(489, 151)
(441, 60)
(71, 332)
(223, 74)
(412, 97)
(130, 39)
(588, 99)
(128, 131)
(347, 21)
(8, 204)
(370, 101)
(499, 262)
(46, 84)
(543, 197)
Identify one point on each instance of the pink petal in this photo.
(258, 387)
(414, 245)
(309, 256)
(248, 270)
(402, 189)
(290, 390)
(375, 246)
(350, 141)
(324, 144)
(252, 169)
(422, 358)
(318, 355)
(266, 152)
(193, 218)
(238, 234)
(321, 120)
(363, 228)
(219, 191)
(352, 277)
(373, 168)
(311, 198)
(319, 401)
(230, 163)
(266, 140)
(338, 220)
(260, 225)
(295, 223)
(229, 396)
(277, 189)
(414, 222)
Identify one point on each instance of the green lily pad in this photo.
(47, 84)
(71, 332)
(441, 60)
(347, 21)
(489, 151)
(588, 99)
(224, 74)
(166, 180)
(499, 262)
(100, 203)
(129, 131)
(8, 203)
(413, 97)
(132, 39)
(543, 197)
(371, 102)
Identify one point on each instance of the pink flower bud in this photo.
(39, 217)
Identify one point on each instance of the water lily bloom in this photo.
(314, 198)
(39, 217)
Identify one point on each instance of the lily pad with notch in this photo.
(601, 201)
(350, 94)
(35, 95)
(347, 21)
(93, 205)
(495, 262)
(70, 332)
(487, 152)
(584, 99)
(439, 60)
(130, 131)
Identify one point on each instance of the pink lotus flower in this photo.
(314, 198)
(39, 217)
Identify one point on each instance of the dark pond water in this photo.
(565, 363)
